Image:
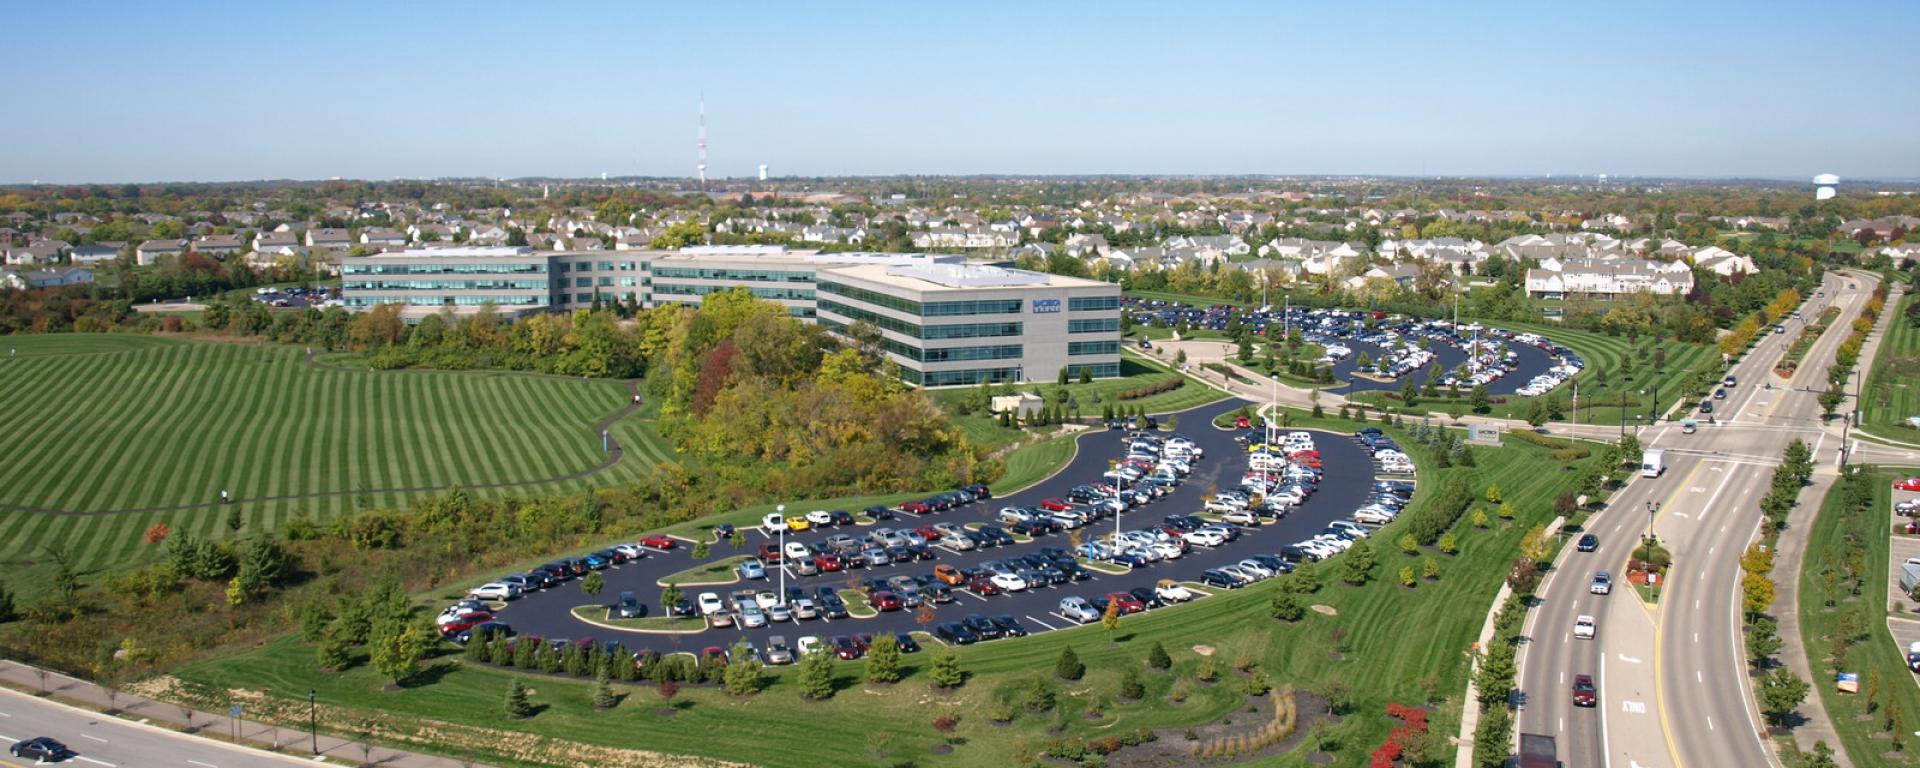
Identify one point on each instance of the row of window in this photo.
(444, 285)
(604, 266)
(1078, 348)
(1092, 303)
(749, 275)
(587, 298)
(463, 268)
(968, 376)
(884, 322)
(790, 294)
(588, 282)
(953, 354)
(442, 301)
(927, 309)
(1100, 325)
(1096, 370)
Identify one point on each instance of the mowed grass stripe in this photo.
(120, 455)
(39, 440)
(457, 439)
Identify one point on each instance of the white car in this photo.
(709, 603)
(632, 551)
(1167, 550)
(1205, 538)
(1170, 592)
(766, 599)
(796, 551)
(1373, 516)
(1008, 582)
(1583, 627)
(459, 609)
(1242, 517)
(811, 643)
(819, 517)
(772, 521)
(1350, 528)
(495, 590)
(804, 608)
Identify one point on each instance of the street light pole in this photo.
(782, 509)
(1653, 508)
(313, 718)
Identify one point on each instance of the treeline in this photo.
(99, 307)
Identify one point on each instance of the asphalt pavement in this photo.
(1672, 678)
(1348, 475)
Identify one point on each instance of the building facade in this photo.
(943, 321)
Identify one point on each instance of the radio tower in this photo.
(702, 143)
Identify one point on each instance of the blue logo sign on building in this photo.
(1041, 306)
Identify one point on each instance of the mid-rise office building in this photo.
(944, 321)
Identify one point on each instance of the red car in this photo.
(713, 655)
(770, 552)
(928, 532)
(465, 622)
(1584, 694)
(658, 541)
(1304, 455)
(829, 562)
(884, 601)
(846, 648)
(1909, 484)
(1242, 422)
(1056, 505)
(916, 507)
(1127, 602)
(983, 587)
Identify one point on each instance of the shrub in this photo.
(1157, 657)
(1069, 666)
(1131, 684)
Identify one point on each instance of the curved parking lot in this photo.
(1347, 480)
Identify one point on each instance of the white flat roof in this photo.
(463, 251)
(926, 277)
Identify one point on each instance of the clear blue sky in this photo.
(123, 91)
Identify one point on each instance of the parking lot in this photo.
(1349, 474)
(296, 298)
(1506, 363)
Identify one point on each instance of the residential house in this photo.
(37, 252)
(95, 253)
(151, 251)
(1609, 279)
(58, 277)
(220, 246)
(327, 237)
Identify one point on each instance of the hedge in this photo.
(1168, 384)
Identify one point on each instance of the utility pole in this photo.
(782, 509)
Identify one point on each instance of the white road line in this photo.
(110, 765)
(95, 738)
(1709, 722)
(1049, 627)
(1600, 704)
(208, 765)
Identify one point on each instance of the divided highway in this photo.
(1673, 687)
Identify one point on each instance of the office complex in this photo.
(942, 320)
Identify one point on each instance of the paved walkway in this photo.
(274, 745)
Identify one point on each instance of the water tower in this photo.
(1824, 185)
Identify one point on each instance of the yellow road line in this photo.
(1659, 630)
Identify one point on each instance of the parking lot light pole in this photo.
(782, 509)
(313, 718)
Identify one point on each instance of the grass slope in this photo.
(1892, 393)
(114, 425)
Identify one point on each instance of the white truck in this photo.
(1653, 462)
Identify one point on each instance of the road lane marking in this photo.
(1628, 659)
(1634, 707)
(1049, 627)
(95, 738)
(110, 765)
(1710, 722)
(208, 765)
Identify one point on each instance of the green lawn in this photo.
(1387, 643)
(1893, 387)
(137, 430)
(1840, 534)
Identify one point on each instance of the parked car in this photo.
(1908, 484)
(658, 541)
(906, 643)
(777, 651)
(628, 607)
(953, 633)
(1078, 609)
(495, 590)
(845, 648)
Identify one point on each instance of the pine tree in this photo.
(603, 697)
(1285, 607)
(333, 653)
(1131, 684)
(1069, 666)
(1357, 565)
(816, 675)
(1157, 656)
(883, 659)
(517, 706)
(743, 676)
(946, 669)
